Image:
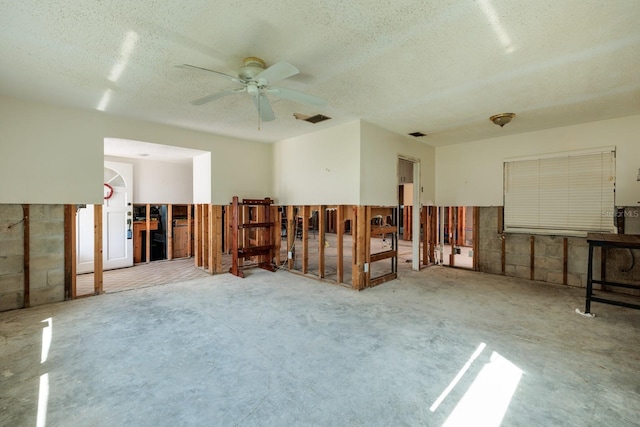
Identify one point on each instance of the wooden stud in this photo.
(433, 215)
(148, 234)
(235, 245)
(189, 231)
(197, 243)
(169, 232)
(321, 239)
(26, 298)
(205, 238)
(500, 225)
(453, 223)
(462, 225)
(291, 236)
(476, 238)
(218, 239)
(603, 267)
(355, 275)
(425, 234)
(277, 233)
(340, 243)
(211, 241)
(533, 257)
(69, 252)
(565, 260)
(367, 246)
(305, 235)
(97, 249)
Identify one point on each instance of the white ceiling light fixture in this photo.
(502, 118)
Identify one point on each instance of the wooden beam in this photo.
(217, 241)
(169, 232)
(211, 241)
(359, 246)
(97, 249)
(26, 299)
(340, 244)
(453, 223)
(69, 252)
(424, 214)
(367, 245)
(382, 255)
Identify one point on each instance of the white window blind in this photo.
(568, 194)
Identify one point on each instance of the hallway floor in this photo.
(439, 346)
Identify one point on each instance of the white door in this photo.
(117, 217)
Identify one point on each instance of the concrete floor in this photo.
(440, 346)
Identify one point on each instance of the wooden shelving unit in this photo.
(251, 234)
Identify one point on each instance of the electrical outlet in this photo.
(366, 267)
(290, 255)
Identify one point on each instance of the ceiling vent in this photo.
(311, 119)
(417, 134)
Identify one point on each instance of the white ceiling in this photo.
(440, 67)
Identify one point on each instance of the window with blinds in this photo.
(568, 194)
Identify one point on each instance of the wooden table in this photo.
(624, 241)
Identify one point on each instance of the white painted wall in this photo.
(202, 178)
(379, 151)
(157, 182)
(53, 154)
(470, 174)
(318, 168)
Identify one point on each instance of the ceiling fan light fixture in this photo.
(502, 118)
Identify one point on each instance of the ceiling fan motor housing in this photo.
(252, 67)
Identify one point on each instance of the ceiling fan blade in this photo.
(215, 96)
(277, 72)
(264, 107)
(296, 96)
(227, 76)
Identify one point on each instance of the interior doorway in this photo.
(409, 227)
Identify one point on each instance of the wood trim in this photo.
(26, 298)
(69, 252)
(97, 249)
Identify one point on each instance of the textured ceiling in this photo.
(440, 67)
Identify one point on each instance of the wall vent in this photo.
(417, 134)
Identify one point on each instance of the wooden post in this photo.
(189, 231)
(433, 215)
(355, 275)
(565, 260)
(69, 252)
(169, 232)
(321, 239)
(305, 242)
(339, 243)
(367, 246)
(97, 249)
(360, 247)
(26, 300)
(425, 234)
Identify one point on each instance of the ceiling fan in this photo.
(256, 80)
